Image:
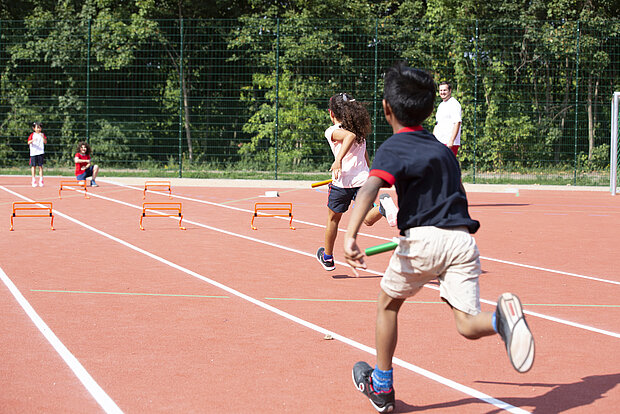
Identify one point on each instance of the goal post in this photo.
(613, 156)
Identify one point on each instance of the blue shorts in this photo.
(339, 199)
(87, 173)
(37, 160)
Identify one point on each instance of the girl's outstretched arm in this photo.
(347, 138)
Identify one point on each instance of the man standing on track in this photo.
(448, 127)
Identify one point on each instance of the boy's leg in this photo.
(508, 320)
(377, 383)
(386, 331)
(40, 176)
(474, 326)
(95, 171)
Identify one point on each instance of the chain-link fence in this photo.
(213, 97)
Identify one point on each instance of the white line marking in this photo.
(598, 279)
(278, 246)
(435, 377)
(613, 282)
(106, 403)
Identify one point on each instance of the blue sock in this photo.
(382, 380)
(381, 210)
(495, 321)
(327, 256)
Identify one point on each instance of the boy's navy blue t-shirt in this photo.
(427, 178)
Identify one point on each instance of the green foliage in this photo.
(533, 78)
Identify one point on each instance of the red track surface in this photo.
(204, 320)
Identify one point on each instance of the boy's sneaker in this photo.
(327, 264)
(382, 401)
(34, 182)
(390, 209)
(93, 183)
(40, 183)
(513, 329)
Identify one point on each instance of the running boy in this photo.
(83, 166)
(435, 242)
(347, 139)
(37, 141)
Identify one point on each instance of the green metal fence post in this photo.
(88, 83)
(277, 91)
(475, 99)
(374, 100)
(576, 101)
(181, 99)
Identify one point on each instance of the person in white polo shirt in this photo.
(448, 127)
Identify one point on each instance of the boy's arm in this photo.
(44, 138)
(30, 139)
(363, 202)
(347, 138)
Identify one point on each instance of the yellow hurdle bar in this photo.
(44, 208)
(73, 185)
(288, 207)
(158, 207)
(165, 185)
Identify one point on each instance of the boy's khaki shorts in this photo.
(448, 255)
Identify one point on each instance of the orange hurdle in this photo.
(71, 184)
(32, 206)
(163, 184)
(273, 207)
(158, 207)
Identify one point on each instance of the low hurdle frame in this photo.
(162, 184)
(153, 207)
(72, 185)
(288, 207)
(44, 208)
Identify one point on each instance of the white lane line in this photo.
(597, 279)
(106, 403)
(428, 374)
(539, 315)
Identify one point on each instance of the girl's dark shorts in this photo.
(37, 160)
(339, 199)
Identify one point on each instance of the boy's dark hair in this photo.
(88, 150)
(410, 93)
(353, 115)
(35, 124)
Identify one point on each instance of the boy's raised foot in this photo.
(513, 329)
(382, 401)
(327, 264)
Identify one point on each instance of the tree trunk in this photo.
(185, 92)
(592, 96)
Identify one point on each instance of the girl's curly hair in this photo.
(88, 150)
(353, 115)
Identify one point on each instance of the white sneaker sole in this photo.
(521, 347)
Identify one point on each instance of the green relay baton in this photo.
(380, 248)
